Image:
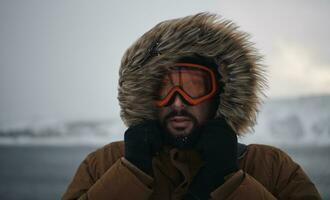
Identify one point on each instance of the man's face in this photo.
(180, 119)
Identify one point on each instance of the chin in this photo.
(178, 132)
(182, 139)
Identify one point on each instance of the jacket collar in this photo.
(241, 149)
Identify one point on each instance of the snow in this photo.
(299, 121)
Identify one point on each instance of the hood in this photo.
(152, 55)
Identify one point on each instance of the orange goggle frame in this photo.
(195, 83)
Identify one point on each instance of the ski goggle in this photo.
(195, 83)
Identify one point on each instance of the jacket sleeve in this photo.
(288, 182)
(291, 182)
(118, 182)
(241, 186)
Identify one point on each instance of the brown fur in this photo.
(150, 57)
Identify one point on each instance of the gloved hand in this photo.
(218, 148)
(142, 142)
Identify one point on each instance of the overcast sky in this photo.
(59, 59)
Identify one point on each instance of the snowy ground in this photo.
(303, 121)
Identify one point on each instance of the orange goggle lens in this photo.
(195, 83)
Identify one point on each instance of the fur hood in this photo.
(151, 56)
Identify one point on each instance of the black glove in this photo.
(142, 142)
(218, 148)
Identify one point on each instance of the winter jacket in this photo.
(265, 173)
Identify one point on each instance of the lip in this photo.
(179, 119)
(179, 122)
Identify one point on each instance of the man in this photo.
(187, 89)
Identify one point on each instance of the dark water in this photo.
(44, 172)
(37, 172)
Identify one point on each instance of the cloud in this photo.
(296, 70)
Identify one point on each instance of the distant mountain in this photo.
(64, 133)
(295, 121)
(304, 120)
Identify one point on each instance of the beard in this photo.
(186, 140)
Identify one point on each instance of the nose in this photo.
(178, 102)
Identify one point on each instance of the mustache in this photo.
(179, 113)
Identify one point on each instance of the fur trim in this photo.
(204, 34)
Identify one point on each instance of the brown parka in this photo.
(265, 173)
